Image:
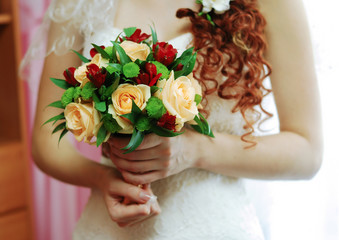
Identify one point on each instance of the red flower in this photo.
(69, 76)
(137, 36)
(96, 75)
(167, 121)
(94, 51)
(149, 76)
(164, 53)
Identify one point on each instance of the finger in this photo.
(140, 166)
(148, 177)
(125, 213)
(159, 151)
(119, 141)
(152, 140)
(131, 191)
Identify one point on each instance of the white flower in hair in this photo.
(219, 6)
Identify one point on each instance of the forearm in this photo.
(63, 162)
(286, 155)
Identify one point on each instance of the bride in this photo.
(197, 180)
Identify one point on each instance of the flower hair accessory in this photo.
(219, 7)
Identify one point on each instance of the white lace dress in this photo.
(195, 204)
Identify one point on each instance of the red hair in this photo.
(233, 50)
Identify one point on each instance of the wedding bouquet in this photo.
(135, 86)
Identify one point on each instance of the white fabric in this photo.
(195, 204)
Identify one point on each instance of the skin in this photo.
(294, 153)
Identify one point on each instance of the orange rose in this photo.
(178, 97)
(122, 103)
(83, 120)
(136, 50)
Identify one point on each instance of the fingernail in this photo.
(145, 197)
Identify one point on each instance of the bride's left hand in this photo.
(156, 157)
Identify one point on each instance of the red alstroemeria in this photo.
(96, 75)
(137, 36)
(69, 76)
(167, 121)
(179, 67)
(149, 76)
(164, 53)
(94, 51)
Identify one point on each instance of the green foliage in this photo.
(63, 133)
(61, 126)
(155, 108)
(77, 92)
(134, 115)
(154, 36)
(124, 59)
(55, 118)
(61, 83)
(162, 132)
(129, 31)
(56, 104)
(87, 90)
(103, 53)
(202, 126)
(100, 106)
(161, 68)
(197, 99)
(67, 97)
(109, 51)
(136, 140)
(82, 58)
(143, 123)
(101, 135)
(131, 70)
(114, 67)
(111, 124)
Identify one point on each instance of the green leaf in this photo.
(59, 127)
(55, 118)
(111, 124)
(109, 91)
(63, 133)
(188, 66)
(154, 89)
(154, 35)
(56, 104)
(114, 67)
(87, 90)
(197, 99)
(100, 106)
(131, 70)
(103, 53)
(129, 31)
(124, 59)
(161, 68)
(109, 51)
(61, 83)
(135, 113)
(208, 129)
(198, 1)
(209, 18)
(101, 135)
(135, 141)
(162, 132)
(82, 58)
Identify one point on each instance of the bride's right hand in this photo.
(116, 190)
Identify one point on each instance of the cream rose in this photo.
(178, 97)
(80, 73)
(83, 120)
(136, 50)
(122, 103)
(219, 6)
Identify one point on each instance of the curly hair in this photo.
(233, 50)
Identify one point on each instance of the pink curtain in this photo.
(57, 206)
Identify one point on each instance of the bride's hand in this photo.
(116, 191)
(156, 157)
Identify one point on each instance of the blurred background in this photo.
(34, 206)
